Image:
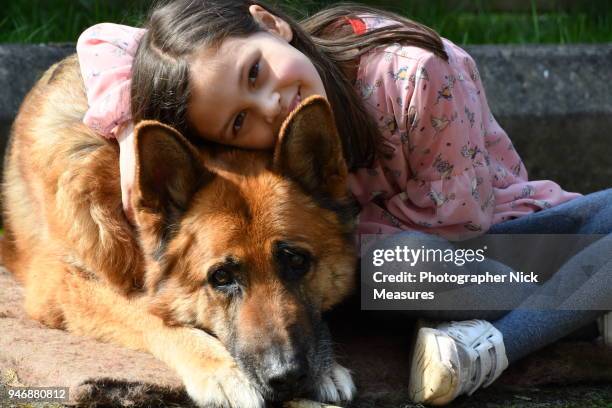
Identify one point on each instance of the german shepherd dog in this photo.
(233, 257)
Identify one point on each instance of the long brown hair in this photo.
(175, 30)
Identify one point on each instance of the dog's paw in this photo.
(336, 385)
(225, 387)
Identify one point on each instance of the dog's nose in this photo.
(287, 382)
(286, 374)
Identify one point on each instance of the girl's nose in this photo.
(271, 107)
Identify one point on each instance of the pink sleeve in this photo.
(451, 190)
(105, 52)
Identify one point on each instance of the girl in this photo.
(426, 155)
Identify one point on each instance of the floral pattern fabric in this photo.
(105, 52)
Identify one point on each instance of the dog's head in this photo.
(248, 246)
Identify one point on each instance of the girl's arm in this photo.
(437, 178)
(106, 52)
(451, 188)
(127, 166)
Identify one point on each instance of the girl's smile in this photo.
(295, 102)
(242, 92)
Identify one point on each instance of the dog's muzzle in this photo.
(284, 371)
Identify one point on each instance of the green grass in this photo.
(42, 21)
(589, 22)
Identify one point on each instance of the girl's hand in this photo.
(127, 164)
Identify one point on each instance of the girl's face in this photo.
(242, 92)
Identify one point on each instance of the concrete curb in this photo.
(541, 80)
(553, 100)
(20, 66)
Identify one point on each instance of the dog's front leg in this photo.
(210, 375)
(209, 372)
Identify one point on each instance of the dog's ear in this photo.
(168, 172)
(309, 150)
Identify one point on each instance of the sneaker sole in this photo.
(431, 381)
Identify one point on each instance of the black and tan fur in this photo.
(279, 225)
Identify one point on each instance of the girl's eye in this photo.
(253, 72)
(239, 121)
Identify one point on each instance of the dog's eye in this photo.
(222, 277)
(294, 263)
(296, 260)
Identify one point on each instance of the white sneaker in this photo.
(455, 358)
(605, 328)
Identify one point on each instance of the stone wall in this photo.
(555, 102)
